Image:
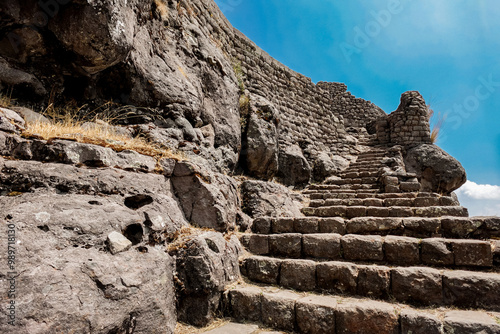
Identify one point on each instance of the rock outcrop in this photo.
(206, 264)
(261, 141)
(437, 170)
(261, 198)
(68, 280)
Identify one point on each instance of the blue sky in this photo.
(448, 50)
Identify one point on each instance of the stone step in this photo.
(447, 227)
(367, 161)
(320, 194)
(236, 328)
(389, 250)
(366, 164)
(376, 211)
(359, 170)
(371, 156)
(344, 192)
(387, 202)
(308, 313)
(418, 286)
(345, 184)
(360, 174)
(350, 186)
(347, 180)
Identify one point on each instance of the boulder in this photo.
(294, 170)
(208, 199)
(30, 116)
(10, 121)
(436, 170)
(260, 152)
(325, 166)
(269, 199)
(12, 77)
(205, 265)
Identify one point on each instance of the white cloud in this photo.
(479, 191)
(480, 199)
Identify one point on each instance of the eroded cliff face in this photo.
(113, 241)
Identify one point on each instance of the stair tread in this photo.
(288, 310)
(420, 227)
(394, 211)
(469, 254)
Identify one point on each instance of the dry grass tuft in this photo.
(187, 329)
(68, 123)
(438, 123)
(161, 9)
(98, 135)
(6, 100)
(180, 238)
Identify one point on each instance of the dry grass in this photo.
(183, 7)
(438, 123)
(161, 9)
(180, 238)
(99, 135)
(68, 123)
(6, 100)
(187, 329)
(238, 71)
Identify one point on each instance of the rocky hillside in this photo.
(192, 157)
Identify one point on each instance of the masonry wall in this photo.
(408, 125)
(314, 115)
(311, 115)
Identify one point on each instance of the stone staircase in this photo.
(366, 261)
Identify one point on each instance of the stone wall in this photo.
(408, 125)
(311, 115)
(355, 111)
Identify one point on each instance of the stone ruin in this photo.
(295, 206)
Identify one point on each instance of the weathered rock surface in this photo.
(205, 265)
(294, 170)
(31, 116)
(436, 169)
(261, 150)
(268, 199)
(208, 199)
(325, 166)
(69, 281)
(10, 121)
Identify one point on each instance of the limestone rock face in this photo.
(294, 170)
(205, 266)
(437, 170)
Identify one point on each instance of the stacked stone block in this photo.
(408, 125)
